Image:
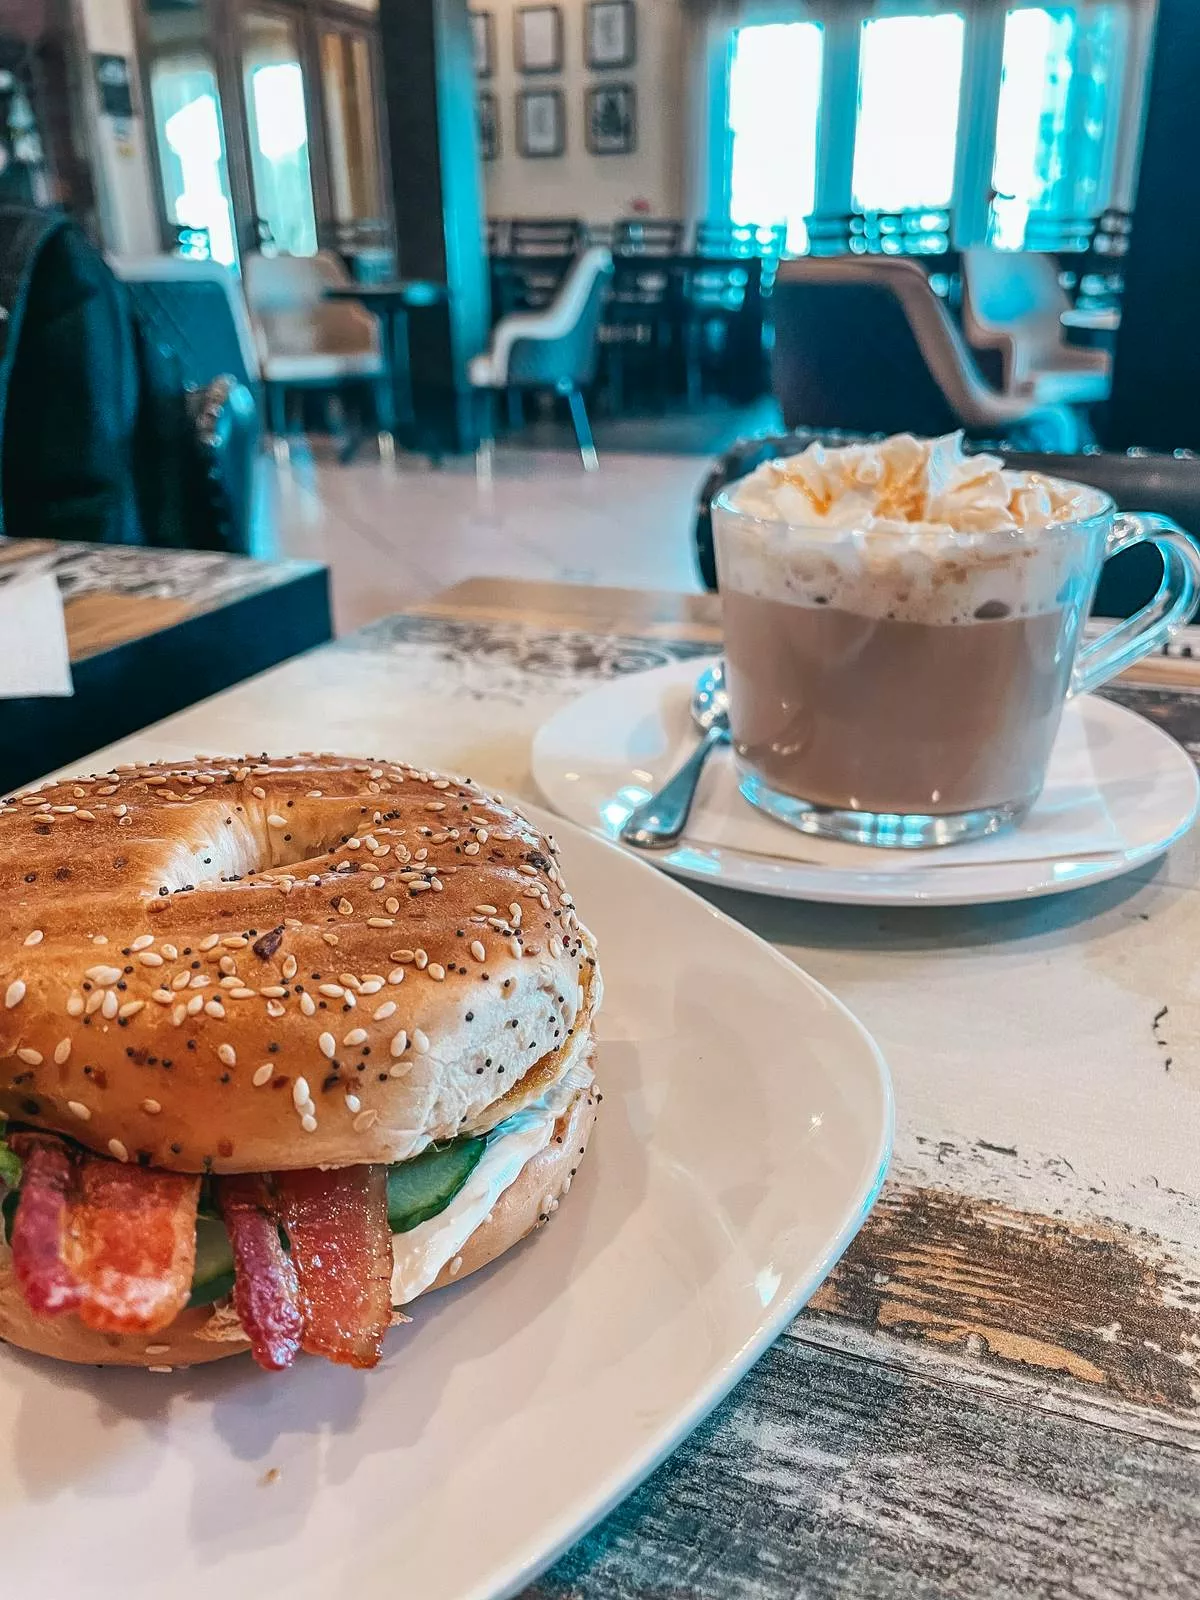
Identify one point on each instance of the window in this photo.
(277, 121)
(187, 118)
(774, 107)
(910, 80)
(1059, 98)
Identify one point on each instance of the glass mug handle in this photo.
(1150, 628)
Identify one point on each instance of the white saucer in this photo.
(603, 754)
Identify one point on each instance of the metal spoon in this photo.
(661, 819)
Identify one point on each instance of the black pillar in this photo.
(1156, 375)
(437, 190)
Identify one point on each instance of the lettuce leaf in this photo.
(10, 1162)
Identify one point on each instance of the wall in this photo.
(118, 152)
(597, 188)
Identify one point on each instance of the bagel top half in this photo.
(246, 965)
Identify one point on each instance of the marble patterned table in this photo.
(151, 631)
(996, 1393)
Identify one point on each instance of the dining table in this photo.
(996, 1391)
(392, 302)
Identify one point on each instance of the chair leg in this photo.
(385, 421)
(277, 420)
(485, 451)
(583, 431)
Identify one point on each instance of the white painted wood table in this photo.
(997, 1393)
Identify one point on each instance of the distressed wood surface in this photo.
(996, 1392)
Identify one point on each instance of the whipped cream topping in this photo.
(905, 529)
(907, 486)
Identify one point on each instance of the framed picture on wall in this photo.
(610, 117)
(541, 122)
(489, 126)
(538, 41)
(483, 42)
(610, 33)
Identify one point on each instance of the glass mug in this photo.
(908, 695)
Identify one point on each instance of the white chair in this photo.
(308, 342)
(1013, 303)
(552, 349)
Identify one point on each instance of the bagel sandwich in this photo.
(284, 1044)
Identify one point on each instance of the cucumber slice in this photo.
(420, 1188)
(213, 1277)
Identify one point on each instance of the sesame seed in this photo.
(514, 948)
(388, 1009)
(435, 805)
(31, 1057)
(327, 1045)
(121, 810)
(470, 849)
(74, 1005)
(365, 1120)
(399, 1044)
(94, 1001)
(162, 996)
(421, 960)
(181, 980)
(353, 1103)
(274, 820)
(482, 835)
(391, 905)
(417, 888)
(151, 1107)
(109, 1004)
(104, 976)
(259, 792)
(276, 1009)
(131, 1008)
(380, 922)
(241, 994)
(396, 975)
(436, 885)
(273, 991)
(209, 942)
(61, 1051)
(289, 966)
(478, 950)
(14, 994)
(370, 986)
(403, 956)
(78, 1110)
(300, 1094)
(199, 981)
(332, 991)
(235, 941)
(35, 937)
(308, 1005)
(456, 1266)
(195, 1005)
(420, 1042)
(355, 1036)
(227, 965)
(177, 1016)
(142, 942)
(436, 971)
(344, 908)
(378, 883)
(117, 1149)
(309, 1123)
(530, 872)
(262, 1074)
(487, 911)
(227, 1054)
(150, 958)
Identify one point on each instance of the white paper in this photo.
(34, 656)
(1070, 818)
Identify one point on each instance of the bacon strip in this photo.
(342, 1249)
(40, 1225)
(117, 1244)
(132, 1244)
(265, 1291)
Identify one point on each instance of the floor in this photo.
(394, 535)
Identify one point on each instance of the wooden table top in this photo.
(997, 1392)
